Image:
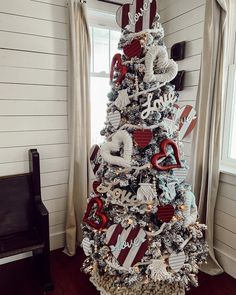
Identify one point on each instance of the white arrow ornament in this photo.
(114, 119)
(119, 139)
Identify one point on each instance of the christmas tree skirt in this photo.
(105, 284)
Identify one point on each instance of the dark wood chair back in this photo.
(24, 220)
(16, 204)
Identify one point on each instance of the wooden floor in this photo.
(19, 278)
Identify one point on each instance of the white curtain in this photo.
(79, 122)
(207, 144)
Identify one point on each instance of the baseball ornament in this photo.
(158, 158)
(86, 245)
(159, 55)
(133, 49)
(143, 137)
(187, 119)
(120, 139)
(114, 119)
(138, 16)
(116, 65)
(165, 213)
(128, 246)
(176, 261)
(94, 215)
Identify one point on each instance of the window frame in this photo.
(228, 115)
(228, 164)
(101, 16)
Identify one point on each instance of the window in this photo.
(104, 44)
(229, 136)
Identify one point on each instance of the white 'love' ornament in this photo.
(119, 138)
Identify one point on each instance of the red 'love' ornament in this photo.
(163, 153)
(165, 213)
(103, 220)
(117, 63)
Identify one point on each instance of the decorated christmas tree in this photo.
(141, 234)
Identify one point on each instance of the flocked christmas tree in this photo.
(141, 233)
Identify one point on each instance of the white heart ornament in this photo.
(119, 138)
(114, 119)
(170, 67)
(176, 260)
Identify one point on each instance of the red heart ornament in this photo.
(165, 213)
(143, 137)
(163, 154)
(95, 186)
(128, 246)
(103, 220)
(117, 63)
(133, 49)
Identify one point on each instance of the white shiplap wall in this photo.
(33, 98)
(225, 224)
(183, 20)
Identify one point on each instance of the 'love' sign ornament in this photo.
(138, 16)
(128, 246)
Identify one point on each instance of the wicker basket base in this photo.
(105, 285)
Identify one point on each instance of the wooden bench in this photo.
(24, 224)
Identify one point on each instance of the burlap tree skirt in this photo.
(105, 285)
